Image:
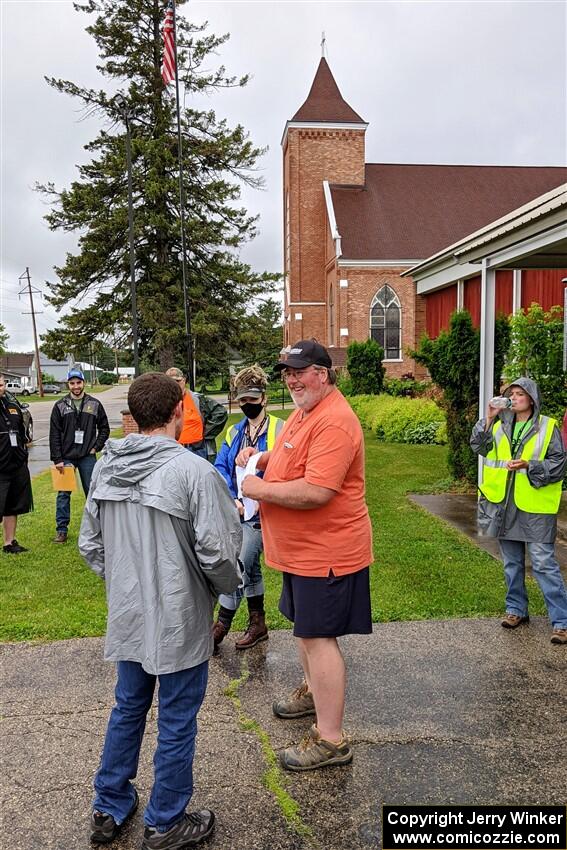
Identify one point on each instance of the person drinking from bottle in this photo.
(519, 496)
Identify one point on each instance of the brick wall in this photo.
(310, 157)
(129, 425)
(363, 284)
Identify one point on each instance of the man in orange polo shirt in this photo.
(317, 532)
(203, 419)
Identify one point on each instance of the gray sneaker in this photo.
(191, 830)
(104, 828)
(314, 751)
(298, 704)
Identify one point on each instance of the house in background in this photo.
(17, 366)
(352, 229)
(57, 368)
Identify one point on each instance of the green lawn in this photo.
(95, 390)
(423, 569)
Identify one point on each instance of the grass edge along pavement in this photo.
(424, 569)
(273, 777)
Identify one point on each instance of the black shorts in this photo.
(327, 606)
(15, 492)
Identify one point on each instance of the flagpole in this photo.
(186, 304)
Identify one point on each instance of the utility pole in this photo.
(30, 290)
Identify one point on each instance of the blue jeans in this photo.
(85, 465)
(546, 572)
(179, 699)
(252, 581)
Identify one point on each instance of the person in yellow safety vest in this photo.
(203, 419)
(259, 429)
(523, 469)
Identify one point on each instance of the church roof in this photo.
(409, 212)
(324, 102)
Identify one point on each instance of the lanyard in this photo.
(253, 442)
(72, 406)
(5, 416)
(517, 440)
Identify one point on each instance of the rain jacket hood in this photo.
(161, 529)
(532, 389)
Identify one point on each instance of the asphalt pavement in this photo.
(440, 712)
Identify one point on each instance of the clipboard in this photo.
(66, 480)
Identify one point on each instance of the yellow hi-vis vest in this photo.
(542, 500)
(273, 431)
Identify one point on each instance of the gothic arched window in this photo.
(386, 322)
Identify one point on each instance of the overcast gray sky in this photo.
(438, 82)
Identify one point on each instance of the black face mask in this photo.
(251, 410)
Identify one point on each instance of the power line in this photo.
(31, 290)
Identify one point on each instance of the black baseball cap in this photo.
(306, 352)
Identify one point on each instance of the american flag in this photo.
(168, 66)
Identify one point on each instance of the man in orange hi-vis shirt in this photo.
(317, 531)
(203, 419)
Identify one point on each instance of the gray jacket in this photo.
(504, 519)
(161, 528)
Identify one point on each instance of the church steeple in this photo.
(325, 103)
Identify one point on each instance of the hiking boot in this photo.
(104, 828)
(14, 548)
(255, 633)
(220, 631)
(559, 636)
(188, 832)
(298, 704)
(60, 537)
(314, 752)
(512, 621)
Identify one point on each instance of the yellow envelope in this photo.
(65, 480)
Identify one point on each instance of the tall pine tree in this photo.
(217, 161)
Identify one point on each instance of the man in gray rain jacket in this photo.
(161, 529)
(519, 499)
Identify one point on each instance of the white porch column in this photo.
(516, 290)
(487, 317)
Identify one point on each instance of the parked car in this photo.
(28, 420)
(13, 387)
(51, 388)
(29, 390)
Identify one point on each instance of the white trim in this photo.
(487, 319)
(393, 360)
(358, 264)
(445, 276)
(460, 294)
(322, 125)
(527, 246)
(307, 304)
(298, 317)
(335, 235)
(343, 284)
(343, 332)
(516, 290)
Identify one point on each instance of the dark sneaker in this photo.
(298, 704)
(512, 621)
(220, 631)
(559, 636)
(14, 548)
(188, 832)
(314, 752)
(255, 633)
(104, 828)
(60, 537)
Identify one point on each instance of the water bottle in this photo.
(501, 402)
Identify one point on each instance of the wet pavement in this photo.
(460, 512)
(458, 711)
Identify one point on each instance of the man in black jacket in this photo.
(15, 484)
(77, 431)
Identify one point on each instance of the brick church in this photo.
(351, 228)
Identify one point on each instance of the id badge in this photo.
(14, 439)
(79, 437)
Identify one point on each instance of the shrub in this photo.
(401, 420)
(405, 387)
(108, 378)
(364, 365)
(344, 383)
(536, 351)
(453, 360)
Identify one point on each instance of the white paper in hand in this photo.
(250, 505)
